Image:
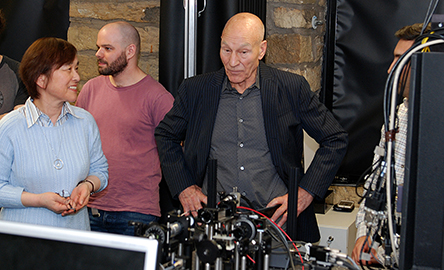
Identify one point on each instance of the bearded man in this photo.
(127, 105)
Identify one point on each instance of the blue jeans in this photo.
(117, 222)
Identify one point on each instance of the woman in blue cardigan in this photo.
(51, 157)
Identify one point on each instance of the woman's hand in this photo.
(79, 198)
(81, 193)
(49, 200)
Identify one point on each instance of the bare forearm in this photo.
(31, 199)
(49, 200)
(93, 183)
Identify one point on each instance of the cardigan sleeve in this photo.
(10, 195)
(98, 162)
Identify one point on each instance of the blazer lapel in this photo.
(269, 96)
(210, 98)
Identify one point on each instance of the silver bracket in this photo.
(315, 22)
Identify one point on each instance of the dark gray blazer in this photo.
(289, 106)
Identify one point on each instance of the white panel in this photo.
(340, 226)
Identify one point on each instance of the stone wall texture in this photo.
(88, 16)
(293, 44)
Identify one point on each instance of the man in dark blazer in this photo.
(249, 117)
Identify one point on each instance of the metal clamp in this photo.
(315, 22)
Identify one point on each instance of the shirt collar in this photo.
(34, 115)
(227, 86)
(406, 102)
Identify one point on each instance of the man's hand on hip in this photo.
(281, 212)
(304, 200)
(191, 199)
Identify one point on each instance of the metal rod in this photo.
(267, 262)
(236, 257)
(244, 263)
(218, 264)
(196, 261)
(190, 7)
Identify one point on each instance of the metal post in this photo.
(218, 264)
(244, 263)
(267, 262)
(293, 203)
(190, 7)
(196, 261)
(236, 257)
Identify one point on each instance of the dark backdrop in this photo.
(28, 20)
(359, 49)
(209, 29)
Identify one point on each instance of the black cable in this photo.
(389, 82)
(366, 242)
(430, 11)
(284, 243)
(403, 81)
(373, 167)
(247, 201)
(376, 184)
(369, 191)
(283, 240)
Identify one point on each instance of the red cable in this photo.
(259, 213)
(251, 259)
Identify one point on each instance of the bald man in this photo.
(127, 105)
(249, 117)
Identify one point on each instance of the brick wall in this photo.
(293, 45)
(88, 16)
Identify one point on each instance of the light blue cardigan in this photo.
(26, 164)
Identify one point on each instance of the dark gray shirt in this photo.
(239, 145)
(12, 90)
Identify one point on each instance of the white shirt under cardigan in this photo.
(30, 144)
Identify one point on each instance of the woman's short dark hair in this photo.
(41, 58)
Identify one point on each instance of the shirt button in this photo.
(241, 98)
(241, 120)
(242, 168)
(241, 145)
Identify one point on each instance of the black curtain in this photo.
(28, 20)
(209, 29)
(359, 49)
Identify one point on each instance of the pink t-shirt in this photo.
(127, 117)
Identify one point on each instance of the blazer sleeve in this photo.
(169, 135)
(321, 125)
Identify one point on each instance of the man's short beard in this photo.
(115, 67)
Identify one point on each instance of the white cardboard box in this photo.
(340, 226)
